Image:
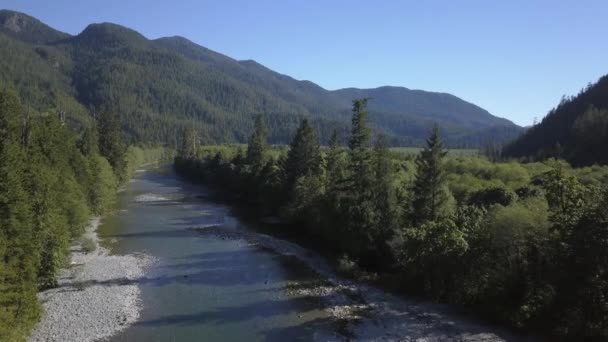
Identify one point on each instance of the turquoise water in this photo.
(205, 287)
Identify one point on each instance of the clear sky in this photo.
(514, 58)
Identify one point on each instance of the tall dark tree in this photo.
(360, 166)
(384, 194)
(111, 142)
(18, 249)
(336, 169)
(189, 144)
(257, 144)
(304, 156)
(361, 214)
(430, 193)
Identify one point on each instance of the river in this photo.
(216, 278)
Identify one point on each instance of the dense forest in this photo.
(52, 180)
(522, 244)
(576, 130)
(160, 87)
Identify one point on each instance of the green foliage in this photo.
(50, 181)
(431, 196)
(304, 156)
(522, 244)
(111, 143)
(189, 144)
(575, 130)
(162, 87)
(257, 146)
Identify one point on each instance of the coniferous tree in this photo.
(361, 215)
(111, 144)
(335, 164)
(359, 147)
(430, 193)
(384, 194)
(304, 156)
(257, 144)
(18, 248)
(189, 144)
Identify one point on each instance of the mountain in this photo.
(577, 129)
(28, 29)
(161, 86)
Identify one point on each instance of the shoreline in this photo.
(96, 296)
(366, 312)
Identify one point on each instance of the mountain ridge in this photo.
(180, 83)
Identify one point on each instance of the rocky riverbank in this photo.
(96, 297)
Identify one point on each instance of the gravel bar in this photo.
(97, 295)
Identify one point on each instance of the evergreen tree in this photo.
(189, 144)
(360, 154)
(257, 145)
(304, 156)
(335, 164)
(361, 214)
(384, 194)
(430, 193)
(111, 144)
(18, 247)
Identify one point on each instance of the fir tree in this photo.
(111, 144)
(430, 194)
(384, 194)
(304, 156)
(257, 145)
(189, 144)
(18, 247)
(335, 164)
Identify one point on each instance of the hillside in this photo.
(161, 86)
(577, 129)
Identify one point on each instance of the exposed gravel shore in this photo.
(96, 296)
(368, 313)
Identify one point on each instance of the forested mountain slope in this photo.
(577, 129)
(161, 86)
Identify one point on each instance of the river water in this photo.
(207, 287)
(216, 278)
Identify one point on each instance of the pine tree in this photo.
(257, 145)
(304, 156)
(335, 164)
(361, 215)
(431, 196)
(360, 154)
(189, 144)
(111, 144)
(18, 247)
(384, 194)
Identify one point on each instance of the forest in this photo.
(160, 87)
(523, 244)
(575, 130)
(53, 179)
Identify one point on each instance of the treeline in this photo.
(576, 130)
(523, 244)
(52, 180)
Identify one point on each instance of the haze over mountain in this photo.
(161, 86)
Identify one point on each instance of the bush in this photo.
(88, 245)
(348, 267)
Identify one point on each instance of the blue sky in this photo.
(514, 58)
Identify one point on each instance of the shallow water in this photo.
(205, 287)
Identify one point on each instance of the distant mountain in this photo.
(577, 129)
(161, 86)
(28, 29)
